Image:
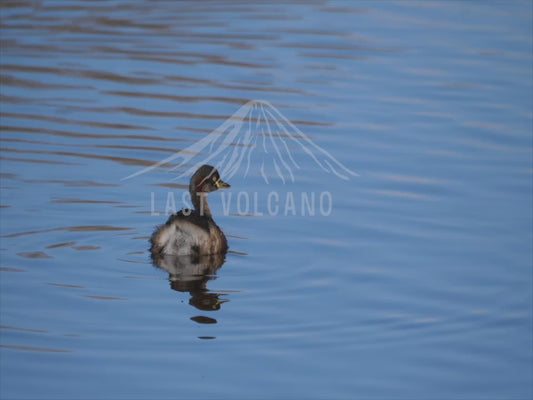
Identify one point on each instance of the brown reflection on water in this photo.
(104, 298)
(96, 124)
(42, 331)
(8, 269)
(8, 80)
(83, 228)
(82, 201)
(85, 248)
(57, 132)
(184, 99)
(36, 161)
(30, 348)
(121, 160)
(132, 261)
(34, 254)
(191, 274)
(172, 185)
(65, 285)
(204, 320)
(16, 328)
(72, 183)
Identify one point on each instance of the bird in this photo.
(189, 232)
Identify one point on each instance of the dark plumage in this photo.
(193, 232)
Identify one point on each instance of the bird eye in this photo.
(215, 179)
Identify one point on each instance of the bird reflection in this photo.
(191, 274)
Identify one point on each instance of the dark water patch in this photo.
(336, 46)
(132, 261)
(185, 99)
(81, 201)
(171, 185)
(86, 248)
(16, 328)
(49, 102)
(110, 298)
(12, 140)
(343, 10)
(107, 76)
(8, 80)
(238, 237)
(97, 124)
(34, 254)
(98, 75)
(204, 320)
(321, 32)
(239, 253)
(65, 285)
(106, 21)
(36, 349)
(65, 244)
(73, 183)
(121, 160)
(189, 79)
(36, 161)
(82, 228)
(141, 278)
(9, 269)
(186, 58)
(56, 132)
(338, 56)
(244, 215)
(261, 89)
(143, 148)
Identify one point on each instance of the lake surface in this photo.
(414, 279)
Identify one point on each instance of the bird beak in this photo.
(222, 185)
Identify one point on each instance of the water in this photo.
(418, 284)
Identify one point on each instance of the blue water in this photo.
(416, 282)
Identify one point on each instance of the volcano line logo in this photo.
(257, 132)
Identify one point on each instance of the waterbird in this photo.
(193, 232)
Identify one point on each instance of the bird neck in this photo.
(199, 201)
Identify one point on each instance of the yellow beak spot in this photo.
(221, 185)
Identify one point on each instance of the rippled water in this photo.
(418, 284)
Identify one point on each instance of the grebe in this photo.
(193, 232)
